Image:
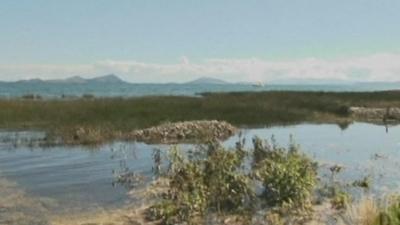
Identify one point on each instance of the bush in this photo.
(371, 211)
(391, 216)
(229, 189)
(340, 200)
(220, 181)
(186, 196)
(197, 185)
(288, 176)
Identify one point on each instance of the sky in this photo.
(180, 40)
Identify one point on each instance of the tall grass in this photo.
(242, 109)
(365, 212)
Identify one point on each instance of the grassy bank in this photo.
(241, 109)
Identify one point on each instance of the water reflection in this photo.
(344, 125)
(355, 148)
(79, 178)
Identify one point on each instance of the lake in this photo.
(49, 90)
(65, 179)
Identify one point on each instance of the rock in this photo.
(390, 113)
(185, 132)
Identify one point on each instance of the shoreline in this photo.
(116, 217)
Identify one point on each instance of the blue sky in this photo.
(148, 41)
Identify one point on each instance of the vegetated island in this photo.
(105, 119)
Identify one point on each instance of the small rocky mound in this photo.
(188, 131)
(391, 113)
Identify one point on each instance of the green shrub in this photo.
(363, 183)
(197, 185)
(221, 182)
(340, 200)
(391, 216)
(288, 176)
(229, 189)
(186, 197)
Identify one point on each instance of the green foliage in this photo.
(340, 200)
(288, 176)
(218, 182)
(336, 191)
(391, 216)
(125, 114)
(335, 169)
(197, 185)
(363, 183)
(187, 194)
(229, 189)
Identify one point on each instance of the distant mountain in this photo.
(75, 79)
(27, 81)
(111, 78)
(106, 79)
(207, 80)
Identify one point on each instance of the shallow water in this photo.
(363, 149)
(68, 179)
(76, 177)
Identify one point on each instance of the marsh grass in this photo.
(365, 212)
(111, 115)
(221, 185)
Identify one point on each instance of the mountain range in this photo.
(111, 78)
(114, 79)
(207, 80)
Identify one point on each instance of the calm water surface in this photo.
(10, 90)
(80, 178)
